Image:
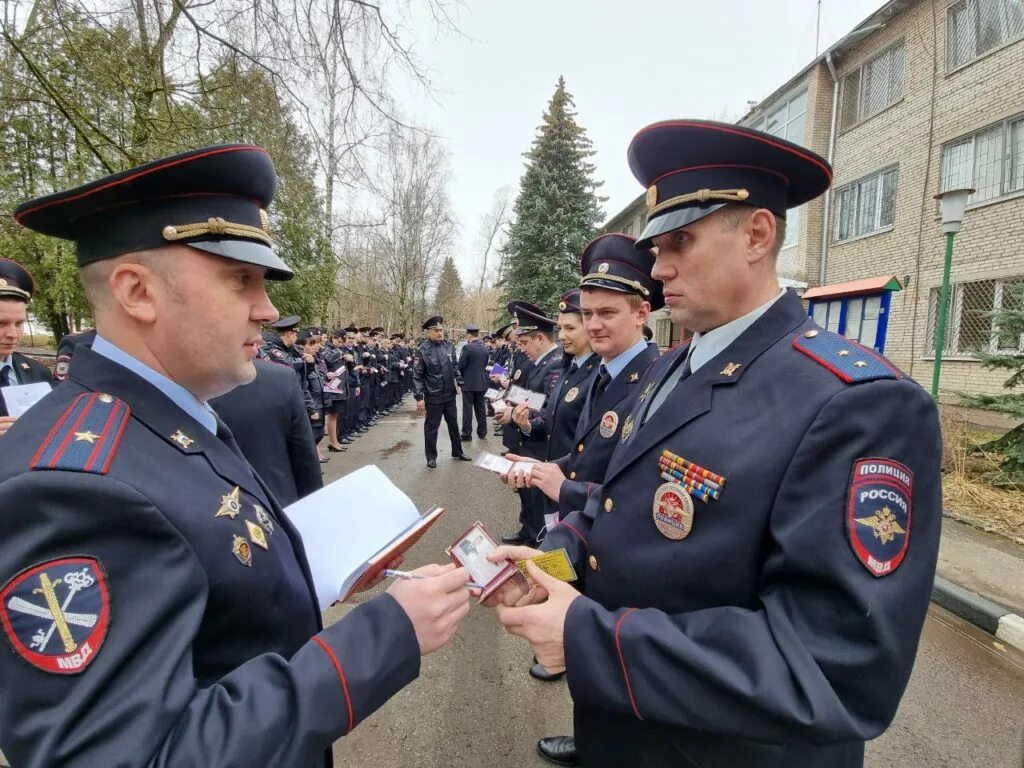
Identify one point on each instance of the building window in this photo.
(874, 85)
(627, 229)
(787, 119)
(969, 324)
(858, 318)
(991, 161)
(974, 27)
(792, 228)
(866, 205)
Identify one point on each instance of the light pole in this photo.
(952, 204)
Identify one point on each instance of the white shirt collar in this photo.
(706, 346)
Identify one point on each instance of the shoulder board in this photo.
(86, 437)
(848, 360)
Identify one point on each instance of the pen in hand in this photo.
(404, 575)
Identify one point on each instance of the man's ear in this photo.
(760, 232)
(134, 287)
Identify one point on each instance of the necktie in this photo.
(6, 377)
(670, 383)
(603, 380)
(225, 436)
(572, 369)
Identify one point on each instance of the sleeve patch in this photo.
(56, 614)
(86, 437)
(848, 360)
(878, 514)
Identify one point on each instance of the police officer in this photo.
(16, 288)
(436, 378)
(750, 594)
(280, 340)
(313, 381)
(336, 391)
(473, 367)
(536, 332)
(519, 366)
(156, 603)
(66, 348)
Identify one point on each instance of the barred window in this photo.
(874, 85)
(974, 27)
(969, 325)
(866, 205)
(990, 160)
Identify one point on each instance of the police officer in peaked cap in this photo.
(756, 566)
(16, 289)
(436, 381)
(157, 605)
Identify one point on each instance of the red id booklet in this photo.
(470, 551)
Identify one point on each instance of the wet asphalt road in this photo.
(475, 705)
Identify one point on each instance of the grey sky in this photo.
(626, 63)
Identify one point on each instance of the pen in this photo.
(404, 575)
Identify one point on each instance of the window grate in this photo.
(991, 161)
(874, 85)
(975, 27)
(970, 328)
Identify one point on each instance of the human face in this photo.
(714, 273)
(612, 325)
(572, 334)
(435, 334)
(535, 344)
(289, 338)
(223, 303)
(13, 316)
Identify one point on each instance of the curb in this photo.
(991, 617)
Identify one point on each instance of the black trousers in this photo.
(474, 402)
(435, 411)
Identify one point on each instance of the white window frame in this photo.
(792, 115)
(954, 320)
(855, 186)
(972, 27)
(1013, 157)
(896, 91)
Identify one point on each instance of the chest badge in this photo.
(627, 428)
(256, 535)
(647, 392)
(241, 549)
(264, 519)
(230, 505)
(634, 377)
(181, 439)
(572, 394)
(24, 366)
(609, 423)
(516, 376)
(673, 511)
(730, 369)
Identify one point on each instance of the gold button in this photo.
(105, 398)
(608, 505)
(572, 475)
(580, 447)
(811, 334)
(593, 563)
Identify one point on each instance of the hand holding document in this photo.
(353, 529)
(500, 465)
(519, 396)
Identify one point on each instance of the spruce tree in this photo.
(1008, 325)
(450, 296)
(556, 212)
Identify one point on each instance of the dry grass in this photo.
(965, 493)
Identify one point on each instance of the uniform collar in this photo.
(176, 393)
(540, 359)
(707, 346)
(579, 360)
(620, 361)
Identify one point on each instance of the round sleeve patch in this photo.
(56, 614)
(878, 514)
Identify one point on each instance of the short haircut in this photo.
(732, 215)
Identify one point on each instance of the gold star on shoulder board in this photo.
(843, 352)
(86, 437)
(731, 368)
(230, 506)
(182, 439)
(634, 378)
(883, 524)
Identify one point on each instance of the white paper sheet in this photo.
(534, 400)
(346, 523)
(20, 397)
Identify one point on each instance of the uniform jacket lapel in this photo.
(617, 390)
(694, 396)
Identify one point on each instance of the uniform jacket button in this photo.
(572, 475)
(593, 563)
(608, 504)
(579, 448)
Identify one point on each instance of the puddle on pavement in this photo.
(401, 445)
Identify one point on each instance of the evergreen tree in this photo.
(450, 296)
(1008, 325)
(557, 210)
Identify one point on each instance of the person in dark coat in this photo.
(519, 367)
(473, 367)
(16, 289)
(437, 379)
(156, 602)
(757, 564)
(269, 421)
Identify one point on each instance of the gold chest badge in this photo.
(609, 423)
(572, 394)
(673, 511)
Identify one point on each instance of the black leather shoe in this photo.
(463, 457)
(466, 438)
(515, 538)
(346, 441)
(432, 464)
(560, 750)
(539, 673)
